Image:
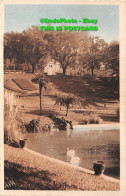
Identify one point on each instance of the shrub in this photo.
(47, 127)
(33, 126)
(36, 125)
(91, 118)
(62, 123)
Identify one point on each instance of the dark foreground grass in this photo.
(26, 171)
(18, 177)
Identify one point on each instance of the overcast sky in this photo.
(19, 17)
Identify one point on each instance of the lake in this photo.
(90, 144)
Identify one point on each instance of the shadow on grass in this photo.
(17, 177)
(51, 96)
(44, 112)
(112, 118)
(78, 111)
(85, 87)
(113, 171)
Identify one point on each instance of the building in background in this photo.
(52, 68)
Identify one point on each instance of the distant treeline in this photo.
(34, 47)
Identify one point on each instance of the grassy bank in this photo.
(30, 172)
(99, 95)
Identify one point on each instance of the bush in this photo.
(61, 123)
(33, 126)
(91, 118)
(36, 125)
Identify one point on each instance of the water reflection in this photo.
(89, 145)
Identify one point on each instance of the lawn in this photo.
(99, 93)
(24, 84)
(94, 89)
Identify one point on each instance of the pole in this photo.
(40, 96)
(40, 91)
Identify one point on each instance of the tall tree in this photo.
(111, 57)
(42, 81)
(35, 47)
(92, 57)
(13, 47)
(26, 47)
(63, 48)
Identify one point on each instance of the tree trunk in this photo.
(67, 110)
(33, 69)
(64, 71)
(40, 100)
(40, 105)
(92, 72)
(14, 63)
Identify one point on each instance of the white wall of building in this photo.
(53, 68)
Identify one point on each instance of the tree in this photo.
(42, 81)
(61, 49)
(35, 48)
(65, 101)
(111, 61)
(13, 47)
(75, 102)
(60, 102)
(26, 47)
(93, 56)
(111, 58)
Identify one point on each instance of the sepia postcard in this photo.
(63, 97)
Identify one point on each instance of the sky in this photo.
(18, 17)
